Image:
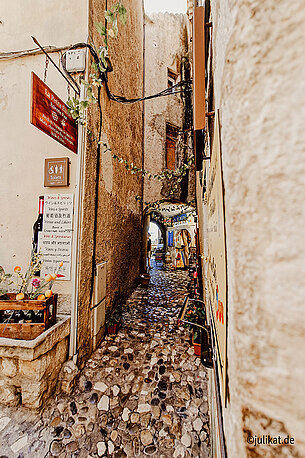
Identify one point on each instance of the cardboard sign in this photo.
(55, 241)
(217, 267)
(50, 114)
(56, 172)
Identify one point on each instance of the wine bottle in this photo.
(37, 227)
(38, 316)
(18, 316)
(29, 316)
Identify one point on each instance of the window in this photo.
(170, 146)
(171, 78)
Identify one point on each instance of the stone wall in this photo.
(258, 77)
(119, 213)
(29, 368)
(166, 46)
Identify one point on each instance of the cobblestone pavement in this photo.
(143, 392)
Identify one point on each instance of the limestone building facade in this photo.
(107, 224)
(167, 120)
(253, 219)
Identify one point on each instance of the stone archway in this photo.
(162, 229)
(162, 213)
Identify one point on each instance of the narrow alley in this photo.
(142, 393)
(151, 231)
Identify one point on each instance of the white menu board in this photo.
(55, 240)
(217, 266)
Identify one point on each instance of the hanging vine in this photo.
(97, 78)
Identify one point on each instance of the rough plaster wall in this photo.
(163, 42)
(119, 214)
(259, 83)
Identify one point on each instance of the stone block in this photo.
(34, 370)
(67, 376)
(31, 368)
(32, 394)
(9, 367)
(8, 395)
(32, 349)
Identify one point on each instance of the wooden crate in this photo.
(27, 331)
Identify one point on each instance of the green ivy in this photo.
(77, 109)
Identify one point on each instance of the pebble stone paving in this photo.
(142, 393)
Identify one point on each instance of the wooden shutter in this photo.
(170, 146)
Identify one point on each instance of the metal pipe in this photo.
(197, 300)
(222, 438)
(195, 324)
(76, 231)
(75, 89)
(143, 217)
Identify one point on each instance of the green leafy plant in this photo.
(196, 314)
(113, 316)
(76, 108)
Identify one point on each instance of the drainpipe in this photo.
(146, 222)
(143, 218)
(76, 233)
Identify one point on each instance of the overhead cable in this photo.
(181, 87)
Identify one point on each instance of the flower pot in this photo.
(145, 279)
(113, 329)
(196, 345)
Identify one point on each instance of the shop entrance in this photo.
(157, 233)
(169, 234)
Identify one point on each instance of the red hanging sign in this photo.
(50, 114)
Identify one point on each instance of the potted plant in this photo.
(27, 303)
(145, 279)
(113, 320)
(196, 315)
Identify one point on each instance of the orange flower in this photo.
(61, 264)
(48, 277)
(41, 297)
(53, 276)
(19, 297)
(48, 293)
(17, 269)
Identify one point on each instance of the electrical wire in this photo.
(182, 87)
(30, 52)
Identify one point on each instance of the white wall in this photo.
(23, 147)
